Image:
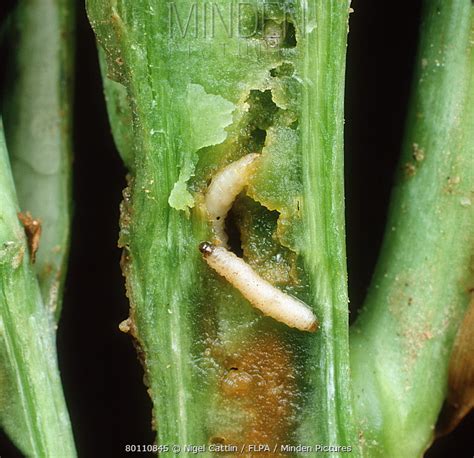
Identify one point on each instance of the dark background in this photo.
(102, 378)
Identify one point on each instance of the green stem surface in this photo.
(32, 407)
(402, 341)
(37, 111)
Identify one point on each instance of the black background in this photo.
(102, 378)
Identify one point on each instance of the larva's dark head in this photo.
(206, 248)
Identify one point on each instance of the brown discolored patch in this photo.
(461, 376)
(415, 327)
(129, 325)
(259, 385)
(126, 214)
(32, 229)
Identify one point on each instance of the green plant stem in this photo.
(325, 257)
(37, 113)
(199, 103)
(402, 341)
(32, 407)
(120, 114)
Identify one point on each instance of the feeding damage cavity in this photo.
(224, 188)
(240, 165)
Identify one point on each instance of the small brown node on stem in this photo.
(32, 229)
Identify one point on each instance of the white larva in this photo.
(226, 185)
(261, 294)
